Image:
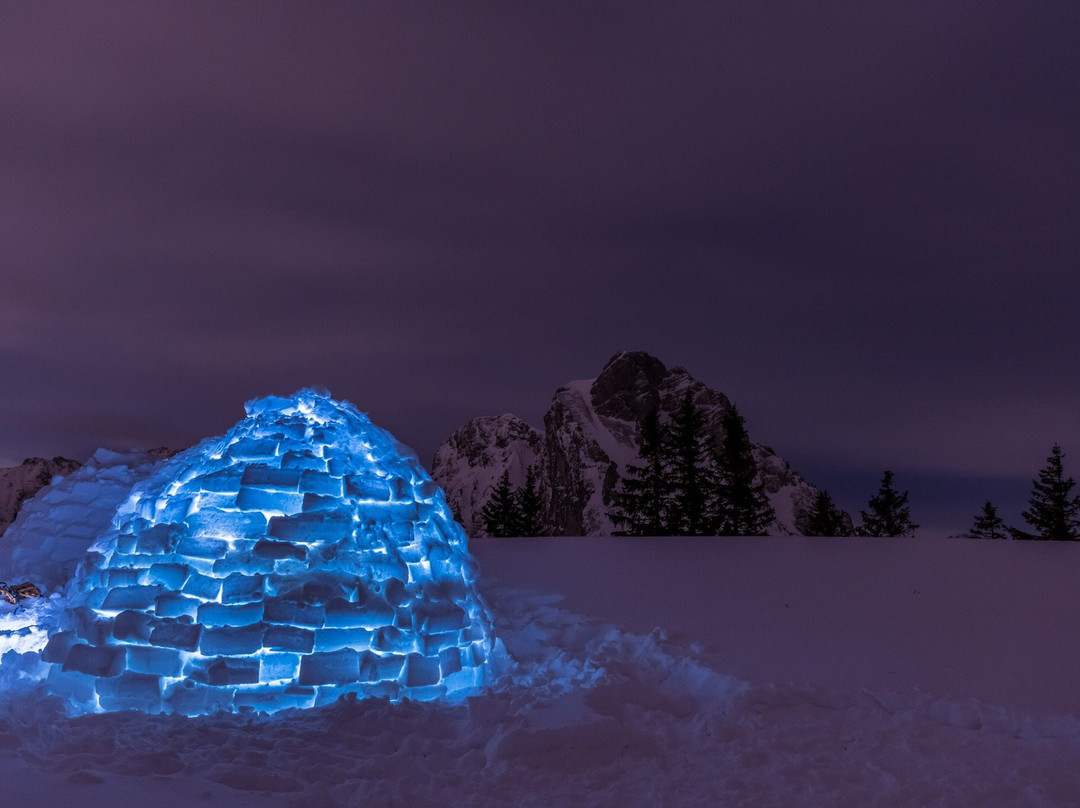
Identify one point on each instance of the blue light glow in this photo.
(303, 555)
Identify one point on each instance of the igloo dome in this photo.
(303, 555)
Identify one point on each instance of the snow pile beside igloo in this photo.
(50, 535)
(303, 555)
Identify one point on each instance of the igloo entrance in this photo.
(303, 555)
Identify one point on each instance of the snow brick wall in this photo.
(304, 555)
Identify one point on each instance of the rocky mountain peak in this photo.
(485, 439)
(628, 388)
(590, 435)
(471, 462)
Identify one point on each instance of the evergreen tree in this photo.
(1052, 510)
(988, 525)
(889, 513)
(643, 499)
(826, 519)
(529, 505)
(742, 509)
(694, 510)
(500, 515)
(1021, 535)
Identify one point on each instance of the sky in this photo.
(859, 221)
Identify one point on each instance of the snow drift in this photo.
(53, 530)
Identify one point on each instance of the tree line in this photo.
(1053, 512)
(888, 513)
(514, 511)
(685, 483)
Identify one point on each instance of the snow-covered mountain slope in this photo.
(472, 461)
(50, 535)
(20, 483)
(590, 435)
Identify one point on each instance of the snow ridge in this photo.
(20, 483)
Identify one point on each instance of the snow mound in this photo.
(303, 555)
(53, 530)
(20, 483)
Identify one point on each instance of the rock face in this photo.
(21, 482)
(472, 461)
(590, 435)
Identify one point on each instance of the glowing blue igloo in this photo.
(303, 555)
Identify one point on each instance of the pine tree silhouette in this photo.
(500, 514)
(643, 499)
(1052, 510)
(693, 474)
(988, 525)
(826, 519)
(743, 508)
(529, 506)
(889, 513)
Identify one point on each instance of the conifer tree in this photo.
(826, 519)
(1052, 510)
(500, 515)
(889, 513)
(742, 508)
(529, 506)
(988, 525)
(694, 510)
(643, 499)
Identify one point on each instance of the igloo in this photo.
(304, 555)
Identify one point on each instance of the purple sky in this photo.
(860, 221)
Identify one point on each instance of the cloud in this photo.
(863, 214)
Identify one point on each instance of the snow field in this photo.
(590, 715)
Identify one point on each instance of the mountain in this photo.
(473, 459)
(590, 434)
(20, 483)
